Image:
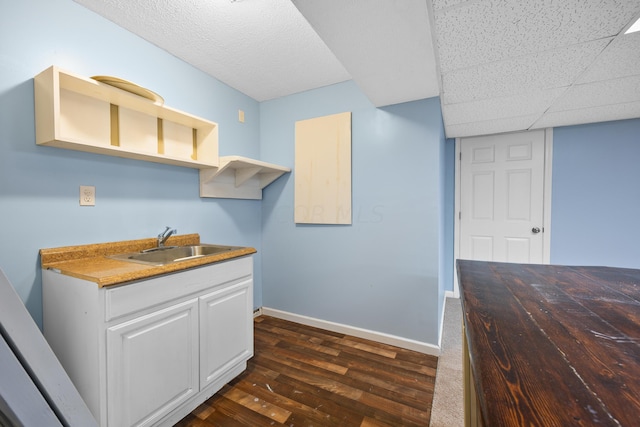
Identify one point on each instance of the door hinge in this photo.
(460, 156)
(459, 215)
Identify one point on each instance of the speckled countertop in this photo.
(91, 262)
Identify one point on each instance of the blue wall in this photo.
(596, 194)
(382, 272)
(39, 186)
(386, 272)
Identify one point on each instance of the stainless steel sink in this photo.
(171, 254)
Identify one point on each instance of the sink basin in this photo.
(171, 254)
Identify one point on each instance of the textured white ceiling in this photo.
(498, 65)
(267, 49)
(510, 65)
(263, 48)
(385, 45)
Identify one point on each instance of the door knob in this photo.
(535, 230)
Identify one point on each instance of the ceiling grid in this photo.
(508, 65)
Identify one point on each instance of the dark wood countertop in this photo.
(553, 345)
(91, 262)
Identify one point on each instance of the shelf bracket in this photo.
(210, 174)
(268, 178)
(244, 174)
(244, 178)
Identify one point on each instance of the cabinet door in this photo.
(226, 330)
(152, 365)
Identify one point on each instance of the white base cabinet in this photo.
(222, 347)
(149, 352)
(152, 362)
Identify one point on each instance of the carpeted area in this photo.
(448, 404)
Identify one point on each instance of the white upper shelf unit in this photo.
(84, 114)
(239, 178)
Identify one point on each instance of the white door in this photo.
(226, 330)
(152, 365)
(502, 197)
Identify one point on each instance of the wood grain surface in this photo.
(305, 376)
(553, 345)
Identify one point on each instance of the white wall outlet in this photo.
(87, 195)
(241, 116)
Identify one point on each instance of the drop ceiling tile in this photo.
(492, 30)
(603, 113)
(556, 68)
(490, 127)
(608, 92)
(524, 104)
(620, 59)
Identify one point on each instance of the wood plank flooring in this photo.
(302, 376)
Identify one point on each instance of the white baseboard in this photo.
(451, 294)
(381, 337)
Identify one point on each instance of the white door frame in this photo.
(546, 235)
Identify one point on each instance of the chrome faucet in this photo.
(162, 237)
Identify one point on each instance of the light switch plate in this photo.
(87, 195)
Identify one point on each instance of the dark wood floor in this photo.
(302, 376)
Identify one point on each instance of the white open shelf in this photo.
(80, 113)
(239, 178)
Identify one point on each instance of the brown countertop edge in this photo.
(90, 262)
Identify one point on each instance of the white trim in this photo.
(456, 224)
(450, 294)
(381, 337)
(546, 242)
(548, 169)
(257, 312)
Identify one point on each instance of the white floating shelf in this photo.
(80, 113)
(239, 178)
